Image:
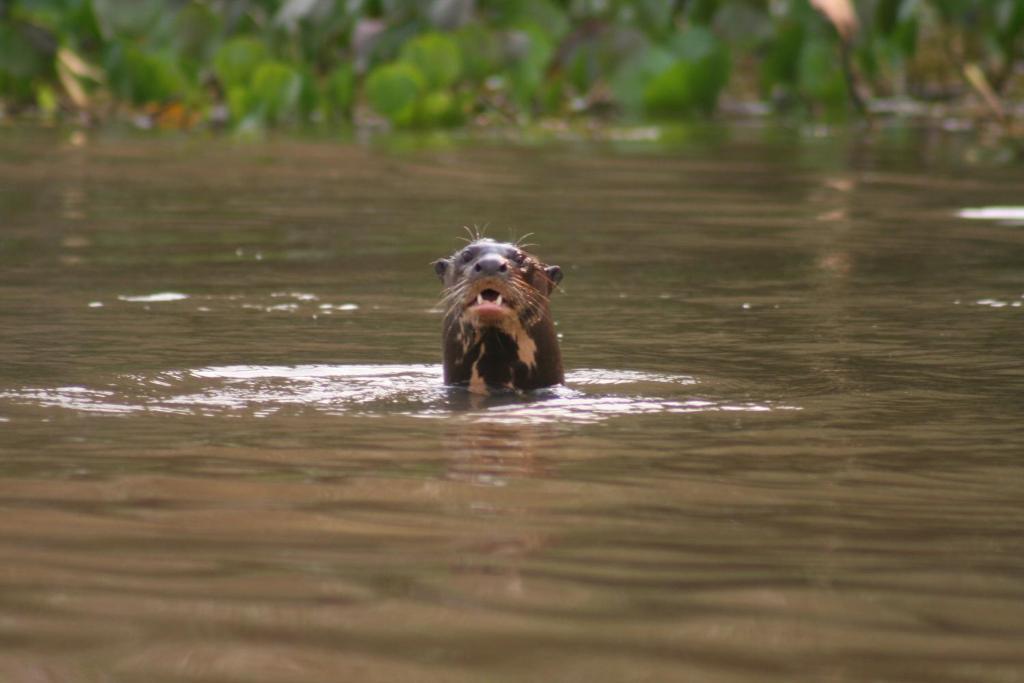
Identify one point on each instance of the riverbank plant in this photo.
(255, 64)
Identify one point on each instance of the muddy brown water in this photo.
(790, 446)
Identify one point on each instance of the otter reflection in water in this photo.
(498, 332)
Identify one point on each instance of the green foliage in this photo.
(237, 59)
(17, 89)
(435, 63)
(196, 30)
(275, 91)
(127, 18)
(480, 50)
(140, 77)
(542, 14)
(21, 58)
(438, 108)
(781, 65)
(653, 17)
(533, 52)
(702, 12)
(681, 78)
(46, 99)
(339, 91)
(436, 57)
(420, 88)
(393, 90)
(630, 82)
(821, 79)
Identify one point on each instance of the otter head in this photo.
(498, 331)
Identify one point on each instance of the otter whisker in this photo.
(528, 292)
(461, 286)
(453, 298)
(453, 292)
(497, 324)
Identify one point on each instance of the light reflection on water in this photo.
(411, 390)
(1012, 216)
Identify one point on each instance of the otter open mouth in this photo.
(490, 295)
(489, 303)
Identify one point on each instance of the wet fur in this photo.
(519, 352)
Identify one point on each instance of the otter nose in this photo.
(490, 265)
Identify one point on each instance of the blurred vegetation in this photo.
(252, 64)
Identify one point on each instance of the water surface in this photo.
(789, 446)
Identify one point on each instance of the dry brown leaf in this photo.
(72, 87)
(78, 66)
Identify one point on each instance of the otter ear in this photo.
(441, 267)
(554, 274)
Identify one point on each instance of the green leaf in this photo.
(905, 36)
(551, 96)
(546, 15)
(630, 80)
(528, 68)
(21, 57)
(684, 79)
(654, 17)
(237, 59)
(480, 50)
(17, 89)
(669, 92)
(714, 67)
(47, 101)
(133, 18)
(339, 91)
(685, 88)
(701, 12)
(141, 77)
(436, 56)
(294, 11)
(1009, 16)
(438, 108)
(541, 14)
(392, 90)
(821, 78)
(240, 102)
(782, 63)
(584, 66)
(886, 15)
(196, 30)
(276, 88)
(694, 44)
(310, 93)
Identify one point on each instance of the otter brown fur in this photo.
(498, 331)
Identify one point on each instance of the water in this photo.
(789, 448)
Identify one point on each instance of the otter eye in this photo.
(467, 255)
(519, 257)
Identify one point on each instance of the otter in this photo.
(498, 331)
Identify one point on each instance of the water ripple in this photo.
(415, 390)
